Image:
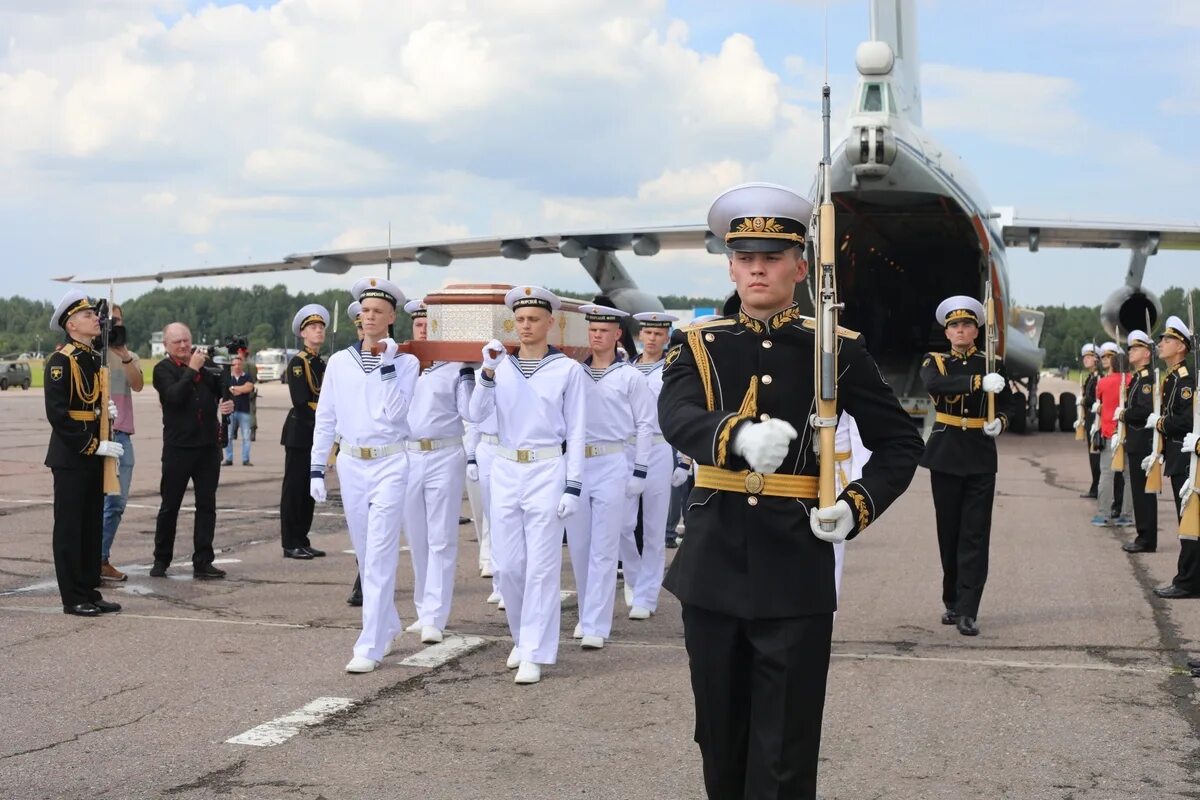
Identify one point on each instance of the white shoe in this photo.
(529, 672)
(361, 665)
(514, 659)
(484, 572)
(592, 642)
(500, 604)
(637, 612)
(414, 628)
(494, 598)
(578, 634)
(628, 595)
(392, 646)
(430, 635)
(679, 529)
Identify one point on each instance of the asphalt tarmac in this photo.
(1075, 689)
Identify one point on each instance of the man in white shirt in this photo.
(481, 453)
(365, 397)
(437, 470)
(539, 399)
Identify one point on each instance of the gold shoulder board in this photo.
(846, 333)
(716, 323)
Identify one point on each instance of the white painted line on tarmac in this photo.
(280, 729)
(261, 512)
(998, 662)
(164, 617)
(438, 654)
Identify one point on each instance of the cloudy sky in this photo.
(145, 134)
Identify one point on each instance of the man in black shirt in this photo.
(190, 391)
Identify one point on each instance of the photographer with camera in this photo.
(190, 386)
(125, 378)
(241, 388)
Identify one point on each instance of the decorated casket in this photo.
(464, 317)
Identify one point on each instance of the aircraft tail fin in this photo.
(895, 22)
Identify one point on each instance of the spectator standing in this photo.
(241, 387)
(125, 378)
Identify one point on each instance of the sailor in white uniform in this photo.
(436, 472)
(644, 573)
(365, 399)
(539, 397)
(481, 453)
(620, 409)
(850, 457)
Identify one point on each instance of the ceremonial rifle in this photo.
(827, 307)
(1189, 518)
(989, 333)
(1080, 415)
(112, 484)
(1154, 474)
(1118, 459)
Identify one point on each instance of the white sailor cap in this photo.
(959, 307)
(760, 218)
(655, 319)
(1139, 338)
(73, 302)
(597, 313)
(536, 296)
(313, 312)
(1088, 349)
(1177, 330)
(703, 318)
(354, 311)
(416, 309)
(381, 288)
(1110, 349)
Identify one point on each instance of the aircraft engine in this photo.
(1126, 308)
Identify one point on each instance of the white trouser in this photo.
(475, 500)
(527, 552)
(645, 572)
(485, 456)
(592, 537)
(373, 500)
(431, 509)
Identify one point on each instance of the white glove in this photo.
(492, 361)
(1152, 421)
(1189, 443)
(1117, 414)
(764, 444)
(112, 410)
(1147, 463)
(1095, 428)
(1096, 407)
(568, 505)
(1114, 443)
(473, 472)
(1078, 423)
(110, 449)
(841, 517)
(993, 428)
(993, 383)
(679, 476)
(389, 349)
(1185, 493)
(316, 489)
(634, 486)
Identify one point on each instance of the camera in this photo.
(221, 353)
(117, 335)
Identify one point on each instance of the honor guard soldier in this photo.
(354, 311)
(539, 398)
(1175, 424)
(756, 576)
(620, 409)
(1112, 497)
(1091, 369)
(436, 473)
(961, 457)
(305, 372)
(1139, 433)
(76, 456)
(364, 400)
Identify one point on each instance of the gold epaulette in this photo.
(712, 323)
(808, 323)
(1183, 373)
(67, 350)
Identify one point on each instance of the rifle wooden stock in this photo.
(112, 484)
(1118, 459)
(1154, 474)
(1080, 415)
(989, 321)
(826, 325)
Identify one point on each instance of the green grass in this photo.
(37, 369)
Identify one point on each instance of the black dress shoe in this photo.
(464, 520)
(949, 616)
(967, 626)
(159, 570)
(207, 571)
(672, 544)
(1089, 495)
(1194, 664)
(314, 552)
(1173, 592)
(1138, 546)
(106, 606)
(297, 552)
(355, 598)
(82, 610)
(1196, 672)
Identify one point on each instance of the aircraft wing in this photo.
(1038, 232)
(643, 241)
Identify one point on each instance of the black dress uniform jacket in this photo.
(72, 398)
(304, 376)
(955, 382)
(1139, 404)
(1176, 421)
(1089, 400)
(756, 557)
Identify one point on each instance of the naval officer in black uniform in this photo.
(1091, 365)
(756, 576)
(305, 372)
(76, 456)
(961, 456)
(1175, 424)
(1139, 438)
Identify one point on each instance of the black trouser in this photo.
(1188, 567)
(1119, 491)
(963, 507)
(759, 687)
(201, 466)
(1145, 505)
(295, 502)
(1094, 463)
(78, 530)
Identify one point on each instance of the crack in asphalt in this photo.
(76, 737)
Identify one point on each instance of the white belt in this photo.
(490, 438)
(426, 445)
(603, 449)
(368, 453)
(657, 438)
(529, 456)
